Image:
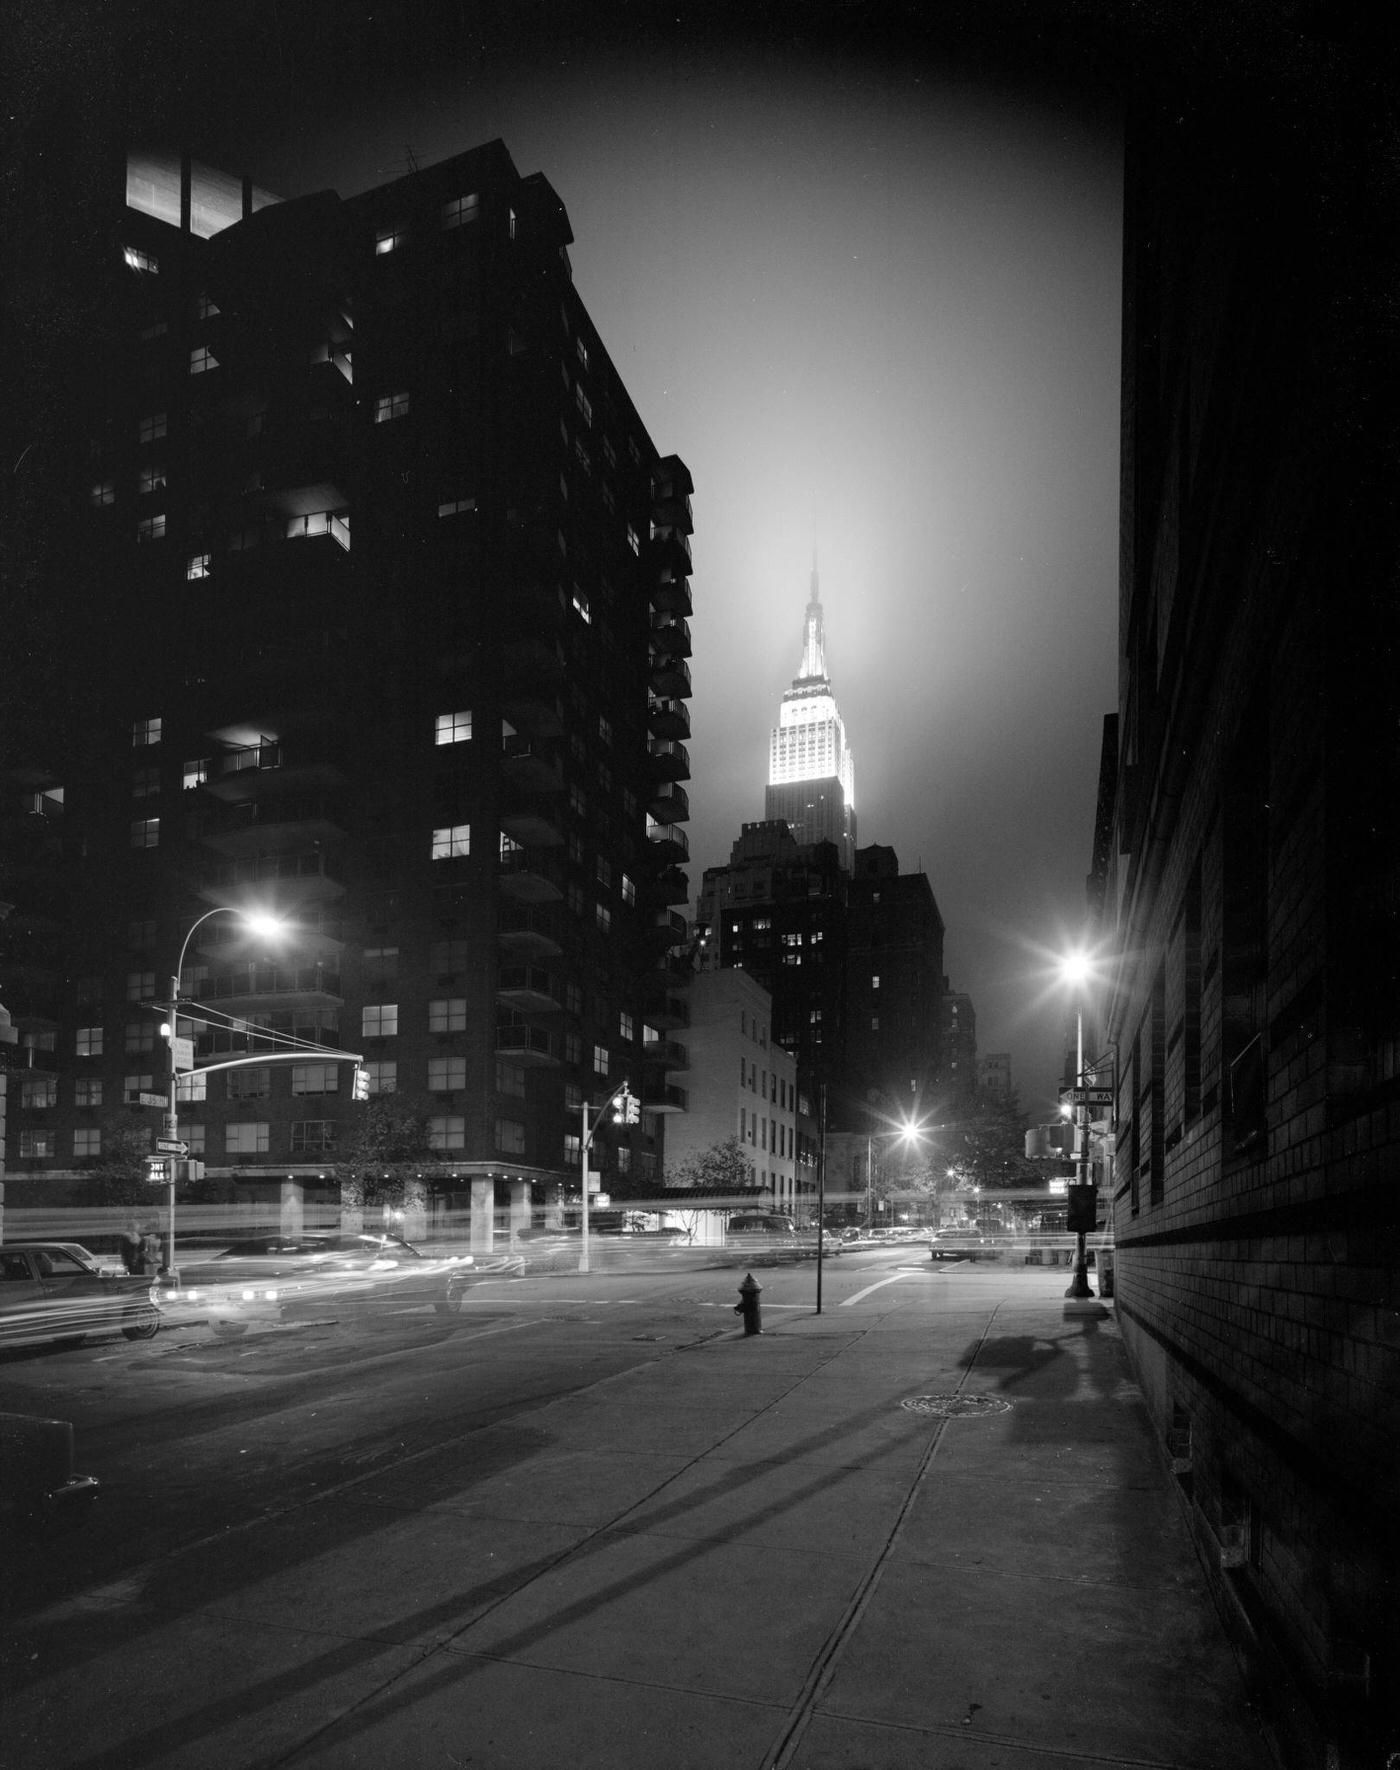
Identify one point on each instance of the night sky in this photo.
(863, 275)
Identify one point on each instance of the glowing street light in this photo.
(181, 1054)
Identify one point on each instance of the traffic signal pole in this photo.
(588, 1136)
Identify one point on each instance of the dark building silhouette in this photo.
(376, 593)
(1250, 889)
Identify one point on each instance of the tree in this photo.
(386, 1152)
(718, 1168)
(118, 1174)
(978, 1146)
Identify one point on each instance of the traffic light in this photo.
(359, 1086)
(628, 1110)
(189, 1171)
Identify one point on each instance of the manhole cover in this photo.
(952, 1407)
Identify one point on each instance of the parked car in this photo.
(765, 1235)
(255, 1280)
(54, 1290)
(968, 1242)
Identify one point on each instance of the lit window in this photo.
(145, 783)
(87, 1142)
(140, 986)
(582, 350)
(151, 479)
(40, 1091)
(36, 1144)
(447, 1014)
(192, 1086)
(456, 506)
(380, 1020)
(603, 916)
(445, 1074)
(104, 491)
(510, 222)
(151, 529)
(581, 604)
(874, 981)
(205, 308)
(510, 1137)
(145, 832)
(87, 1091)
(202, 359)
(387, 240)
(312, 1136)
(316, 522)
(600, 1060)
(447, 1131)
(625, 1028)
(196, 772)
(197, 566)
(135, 259)
(383, 1076)
(248, 1137)
(573, 1149)
(460, 211)
(390, 405)
(315, 1078)
(629, 889)
(584, 404)
(453, 728)
(452, 841)
(632, 540)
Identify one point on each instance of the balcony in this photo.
(533, 822)
(528, 1044)
(666, 717)
(530, 988)
(529, 662)
(310, 986)
(229, 941)
(671, 508)
(669, 841)
(671, 595)
(271, 826)
(669, 803)
(532, 708)
(669, 886)
(530, 763)
(671, 550)
(670, 636)
(295, 878)
(524, 931)
(668, 1053)
(664, 1006)
(668, 1099)
(669, 927)
(531, 875)
(264, 770)
(668, 759)
(671, 677)
(248, 1041)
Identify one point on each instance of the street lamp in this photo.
(1076, 970)
(908, 1133)
(631, 1112)
(256, 922)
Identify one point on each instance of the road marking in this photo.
(894, 1278)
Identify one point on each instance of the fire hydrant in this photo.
(747, 1306)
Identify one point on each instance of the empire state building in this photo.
(811, 780)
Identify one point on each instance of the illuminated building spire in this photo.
(811, 778)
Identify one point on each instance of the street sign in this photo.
(141, 1098)
(171, 1146)
(602, 1200)
(182, 1054)
(1087, 1096)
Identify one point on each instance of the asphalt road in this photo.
(191, 1435)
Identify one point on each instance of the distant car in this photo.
(969, 1242)
(255, 1280)
(54, 1290)
(765, 1235)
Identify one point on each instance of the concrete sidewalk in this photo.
(928, 1530)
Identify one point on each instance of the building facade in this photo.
(811, 777)
(739, 1083)
(1250, 895)
(379, 604)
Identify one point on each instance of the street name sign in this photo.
(1087, 1096)
(144, 1099)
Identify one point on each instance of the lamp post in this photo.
(1076, 970)
(257, 923)
(589, 1133)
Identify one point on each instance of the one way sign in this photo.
(1087, 1096)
